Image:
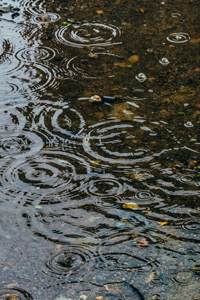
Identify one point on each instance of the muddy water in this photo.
(99, 200)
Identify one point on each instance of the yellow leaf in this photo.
(133, 58)
(195, 41)
(123, 220)
(162, 223)
(99, 297)
(140, 10)
(134, 235)
(95, 162)
(122, 65)
(99, 12)
(130, 205)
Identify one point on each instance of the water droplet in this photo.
(175, 15)
(164, 61)
(141, 77)
(178, 38)
(188, 124)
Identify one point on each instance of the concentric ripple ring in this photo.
(87, 35)
(15, 293)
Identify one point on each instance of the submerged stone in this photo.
(95, 99)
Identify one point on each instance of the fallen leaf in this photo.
(181, 112)
(140, 10)
(133, 58)
(162, 223)
(134, 235)
(93, 55)
(130, 205)
(122, 65)
(99, 297)
(123, 220)
(195, 41)
(142, 242)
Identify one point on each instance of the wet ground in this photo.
(99, 200)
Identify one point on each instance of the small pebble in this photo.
(95, 99)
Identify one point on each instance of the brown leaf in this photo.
(142, 242)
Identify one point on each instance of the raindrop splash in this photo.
(141, 77)
(178, 38)
(87, 35)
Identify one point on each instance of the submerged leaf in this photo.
(130, 205)
(142, 242)
(162, 223)
(66, 23)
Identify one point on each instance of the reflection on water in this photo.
(99, 200)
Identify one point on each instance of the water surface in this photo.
(99, 200)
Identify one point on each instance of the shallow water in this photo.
(99, 200)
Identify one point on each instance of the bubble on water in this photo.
(178, 38)
(141, 77)
(137, 94)
(175, 15)
(164, 61)
(188, 124)
(87, 35)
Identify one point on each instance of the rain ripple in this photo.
(15, 293)
(46, 18)
(91, 66)
(178, 38)
(34, 6)
(126, 250)
(70, 261)
(19, 144)
(108, 291)
(87, 35)
(36, 54)
(183, 277)
(48, 173)
(105, 187)
(58, 120)
(192, 226)
(6, 48)
(35, 77)
(104, 142)
(56, 224)
(11, 119)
